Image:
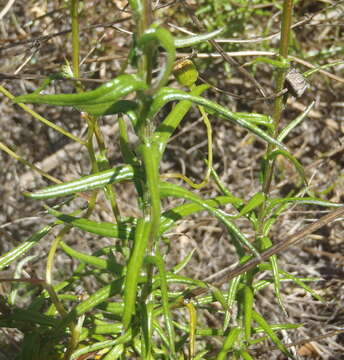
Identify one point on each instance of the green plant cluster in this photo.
(133, 312)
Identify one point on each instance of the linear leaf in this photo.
(255, 201)
(95, 299)
(164, 38)
(85, 183)
(126, 230)
(168, 189)
(173, 119)
(196, 39)
(166, 95)
(292, 159)
(20, 250)
(159, 263)
(109, 108)
(109, 92)
(270, 332)
(228, 343)
(299, 200)
(134, 267)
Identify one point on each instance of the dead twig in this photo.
(279, 247)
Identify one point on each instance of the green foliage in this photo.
(132, 313)
(217, 12)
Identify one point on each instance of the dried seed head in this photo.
(185, 72)
(295, 83)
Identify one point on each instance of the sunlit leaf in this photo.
(109, 92)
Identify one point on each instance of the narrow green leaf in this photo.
(151, 160)
(179, 279)
(295, 122)
(299, 200)
(101, 328)
(128, 155)
(115, 352)
(255, 201)
(231, 296)
(88, 259)
(115, 308)
(134, 267)
(123, 231)
(299, 168)
(257, 119)
(95, 299)
(270, 332)
(228, 343)
(322, 67)
(109, 108)
(266, 244)
(173, 119)
(219, 296)
(166, 95)
(109, 92)
(278, 327)
(170, 217)
(86, 183)
(245, 355)
(180, 266)
(159, 263)
(162, 37)
(158, 328)
(20, 250)
(146, 317)
(196, 39)
(168, 189)
(297, 280)
(200, 355)
(123, 339)
(248, 308)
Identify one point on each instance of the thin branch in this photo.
(278, 248)
(227, 58)
(43, 38)
(315, 338)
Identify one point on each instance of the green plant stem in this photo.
(151, 157)
(286, 27)
(51, 255)
(102, 149)
(52, 293)
(145, 22)
(89, 144)
(278, 102)
(143, 15)
(74, 10)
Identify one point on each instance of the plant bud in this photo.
(185, 72)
